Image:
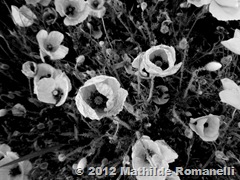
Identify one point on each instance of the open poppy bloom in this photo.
(157, 61)
(35, 2)
(230, 93)
(233, 43)
(101, 96)
(76, 11)
(147, 153)
(51, 85)
(29, 69)
(97, 8)
(17, 171)
(23, 16)
(207, 127)
(50, 44)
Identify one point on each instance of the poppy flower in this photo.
(35, 2)
(100, 96)
(50, 44)
(23, 16)
(29, 69)
(17, 171)
(51, 85)
(96, 8)
(230, 93)
(199, 3)
(157, 61)
(74, 11)
(233, 43)
(50, 16)
(207, 127)
(147, 153)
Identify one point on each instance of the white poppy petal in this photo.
(199, 3)
(20, 19)
(55, 38)
(232, 45)
(44, 89)
(236, 33)
(168, 153)
(230, 97)
(231, 3)
(229, 84)
(60, 53)
(99, 13)
(41, 38)
(224, 13)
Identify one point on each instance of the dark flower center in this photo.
(32, 67)
(158, 61)
(97, 100)
(45, 76)
(49, 47)
(95, 4)
(70, 10)
(206, 125)
(57, 94)
(15, 171)
(150, 153)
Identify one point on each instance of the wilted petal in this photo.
(23, 17)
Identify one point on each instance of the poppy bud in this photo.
(213, 66)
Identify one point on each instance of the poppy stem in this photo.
(151, 90)
(194, 75)
(104, 27)
(30, 88)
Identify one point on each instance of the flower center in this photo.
(97, 100)
(206, 125)
(70, 10)
(160, 62)
(32, 67)
(57, 94)
(45, 76)
(95, 4)
(49, 47)
(15, 171)
(150, 153)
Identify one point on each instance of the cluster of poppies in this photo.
(102, 96)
